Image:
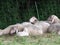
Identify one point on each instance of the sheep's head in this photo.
(12, 30)
(53, 19)
(33, 20)
(17, 27)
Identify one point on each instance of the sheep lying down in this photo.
(33, 30)
(29, 30)
(23, 33)
(6, 30)
(10, 29)
(53, 19)
(36, 29)
(40, 24)
(54, 28)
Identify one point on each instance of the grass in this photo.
(47, 39)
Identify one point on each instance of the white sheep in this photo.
(10, 29)
(54, 28)
(23, 33)
(53, 19)
(6, 30)
(29, 30)
(43, 25)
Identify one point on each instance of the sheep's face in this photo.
(15, 28)
(33, 20)
(12, 31)
(53, 19)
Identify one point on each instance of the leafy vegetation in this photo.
(17, 11)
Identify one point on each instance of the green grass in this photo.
(47, 39)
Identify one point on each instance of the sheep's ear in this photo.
(12, 30)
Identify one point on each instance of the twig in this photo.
(37, 9)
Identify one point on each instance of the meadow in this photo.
(17, 11)
(46, 39)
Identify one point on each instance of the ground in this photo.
(47, 39)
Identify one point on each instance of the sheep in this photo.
(19, 27)
(51, 25)
(6, 30)
(23, 33)
(10, 29)
(53, 19)
(29, 30)
(43, 25)
(54, 28)
(36, 28)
